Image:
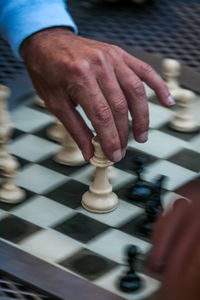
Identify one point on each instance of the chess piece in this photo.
(183, 120)
(70, 154)
(131, 282)
(38, 101)
(9, 192)
(171, 69)
(57, 131)
(100, 198)
(141, 190)
(112, 174)
(153, 208)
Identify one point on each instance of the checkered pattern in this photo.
(51, 223)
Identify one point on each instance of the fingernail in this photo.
(123, 152)
(117, 156)
(143, 137)
(170, 101)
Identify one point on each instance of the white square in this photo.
(149, 92)
(50, 245)
(39, 179)
(122, 213)
(110, 282)
(113, 244)
(176, 175)
(3, 214)
(195, 143)
(29, 120)
(159, 144)
(159, 115)
(117, 177)
(42, 211)
(33, 148)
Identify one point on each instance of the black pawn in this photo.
(141, 190)
(131, 282)
(153, 207)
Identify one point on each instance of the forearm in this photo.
(20, 19)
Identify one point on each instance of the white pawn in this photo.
(38, 101)
(57, 131)
(171, 70)
(9, 192)
(183, 120)
(100, 198)
(70, 154)
(112, 174)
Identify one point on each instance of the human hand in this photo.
(67, 70)
(176, 250)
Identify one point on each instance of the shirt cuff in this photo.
(19, 22)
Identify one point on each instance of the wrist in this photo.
(40, 38)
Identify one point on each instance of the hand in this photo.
(176, 250)
(67, 70)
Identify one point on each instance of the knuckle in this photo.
(139, 88)
(98, 57)
(120, 106)
(112, 51)
(80, 69)
(147, 68)
(103, 114)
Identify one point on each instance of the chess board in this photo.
(51, 224)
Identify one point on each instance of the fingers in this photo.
(99, 113)
(137, 101)
(147, 74)
(118, 105)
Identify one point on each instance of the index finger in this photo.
(146, 73)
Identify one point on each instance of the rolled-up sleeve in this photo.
(22, 18)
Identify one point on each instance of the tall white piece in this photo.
(9, 191)
(183, 120)
(39, 101)
(57, 131)
(100, 198)
(171, 70)
(70, 154)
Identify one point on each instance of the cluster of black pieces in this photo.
(153, 207)
(147, 194)
(131, 282)
(141, 190)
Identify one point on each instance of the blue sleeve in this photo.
(21, 18)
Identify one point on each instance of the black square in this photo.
(22, 162)
(42, 132)
(88, 264)
(15, 229)
(53, 165)
(123, 193)
(132, 227)
(188, 159)
(16, 133)
(39, 108)
(81, 228)
(9, 206)
(128, 162)
(69, 194)
(186, 136)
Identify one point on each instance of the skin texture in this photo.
(67, 70)
(176, 247)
